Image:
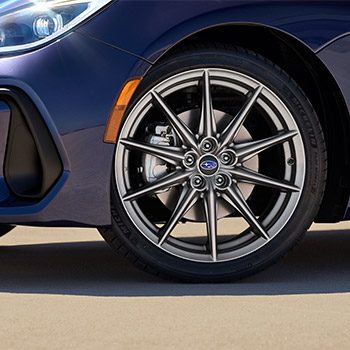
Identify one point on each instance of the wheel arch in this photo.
(302, 64)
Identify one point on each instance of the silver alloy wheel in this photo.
(209, 164)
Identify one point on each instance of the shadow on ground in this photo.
(320, 264)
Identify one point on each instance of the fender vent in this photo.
(32, 163)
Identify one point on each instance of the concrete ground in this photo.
(66, 289)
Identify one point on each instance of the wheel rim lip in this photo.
(165, 88)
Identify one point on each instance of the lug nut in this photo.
(198, 182)
(228, 158)
(222, 181)
(189, 159)
(208, 144)
(219, 180)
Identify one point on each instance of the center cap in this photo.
(208, 165)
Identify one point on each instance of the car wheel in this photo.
(219, 167)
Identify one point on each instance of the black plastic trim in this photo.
(32, 163)
(5, 229)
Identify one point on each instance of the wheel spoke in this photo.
(235, 125)
(250, 176)
(172, 179)
(234, 197)
(170, 154)
(183, 131)
(248, 150)
(210, 207)
(207, 126)
(187, 199)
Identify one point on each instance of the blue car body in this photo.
(73, 83)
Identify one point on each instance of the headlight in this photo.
(25, 24)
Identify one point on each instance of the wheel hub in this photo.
(154, 166)
(208, 165)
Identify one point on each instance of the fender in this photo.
(336, 56)
(150, 28)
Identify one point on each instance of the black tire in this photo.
(125, 235)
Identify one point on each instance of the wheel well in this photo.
(317, 83)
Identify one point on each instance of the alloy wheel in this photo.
(204, 146)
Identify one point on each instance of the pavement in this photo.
(66, 289)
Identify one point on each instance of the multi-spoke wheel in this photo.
(219, 167)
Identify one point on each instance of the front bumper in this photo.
(72, 84)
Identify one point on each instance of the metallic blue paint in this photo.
(336, 56)
(74, 82)
(148, 28)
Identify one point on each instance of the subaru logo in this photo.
(209, 165)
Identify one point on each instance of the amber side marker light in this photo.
(119, 108)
